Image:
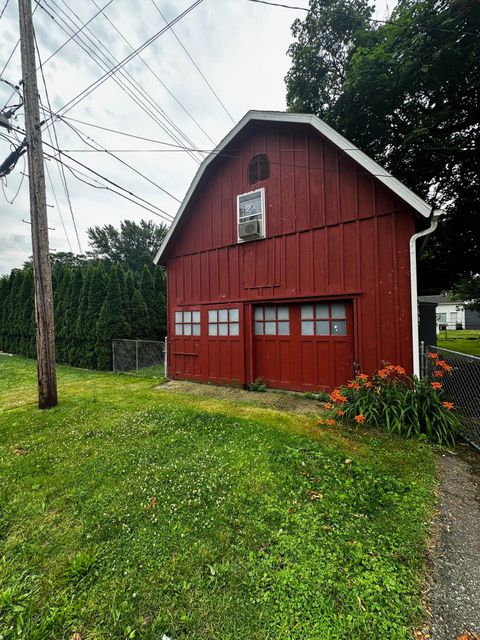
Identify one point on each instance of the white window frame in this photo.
(263, 223)
(189, 322)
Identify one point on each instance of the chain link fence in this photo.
(462, 387)
(142, 357)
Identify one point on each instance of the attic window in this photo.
(258, 169)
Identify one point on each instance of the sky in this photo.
(186, 89)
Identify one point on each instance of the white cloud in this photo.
(240, 46)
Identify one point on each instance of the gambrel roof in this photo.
(403, 192)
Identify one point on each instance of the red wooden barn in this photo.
(292, 259)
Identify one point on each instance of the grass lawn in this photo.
(467, 341)
(130, 513)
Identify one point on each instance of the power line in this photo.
(121, 133)
(162, 214)
(131, 81)
(94, 85)
(58, 207)
(155, 184)
(145, 63)
(222, 104)
(377, 20)
(63, 176)
(149, 110)
(73, 171)
(81, 28)
(4, 8)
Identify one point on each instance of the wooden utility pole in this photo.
(47, 378)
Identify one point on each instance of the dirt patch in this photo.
(280, 400)
(454, 598)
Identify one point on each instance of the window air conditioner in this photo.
(250, 230)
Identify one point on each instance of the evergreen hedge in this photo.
(95, 302)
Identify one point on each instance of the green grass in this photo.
(467, 341)
(129, 513)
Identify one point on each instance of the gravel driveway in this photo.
(455, 585)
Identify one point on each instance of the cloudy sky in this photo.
(240, 48)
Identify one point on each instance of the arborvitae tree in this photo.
(96, 297)
(139, 318)
(4, 295)
(112, 322)
(71, 314)
(130, 290)
(60, 310)
(27, 311)
(160, 285)
(81, 324)
(147, 289)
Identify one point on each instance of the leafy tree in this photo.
(469, 291)
(407, 93)
(133, 246)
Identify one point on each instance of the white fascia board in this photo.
(338, 140)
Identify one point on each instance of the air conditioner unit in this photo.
(250, 230)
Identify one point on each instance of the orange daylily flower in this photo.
(320, 421)
(356, 386)
(340, 412)
(444, 365)
(330, 422)
(368, 385)
(432, 356)
(437, 385)
(362, 376)
(328, 405)
(448, 405)
(400, 370)
(438, 374)
(360, 418)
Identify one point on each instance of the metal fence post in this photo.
(422, 359)
(136, 356)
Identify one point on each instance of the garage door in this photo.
(304, 347)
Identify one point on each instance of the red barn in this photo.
(292, 259)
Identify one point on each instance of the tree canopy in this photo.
(133, 245)
(408, 94)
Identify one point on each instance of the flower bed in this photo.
(392, 400)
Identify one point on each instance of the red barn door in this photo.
(304, 347)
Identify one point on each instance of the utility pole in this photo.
(47, 378)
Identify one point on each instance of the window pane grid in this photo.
(187, 323)
(324, 319)
(224, 322)
(271, 320)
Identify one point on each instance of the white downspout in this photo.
(414, 289)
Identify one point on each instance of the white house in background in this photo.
(453, 314)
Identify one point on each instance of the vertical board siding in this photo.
(332, 230)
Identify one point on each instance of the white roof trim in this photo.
(363, 160)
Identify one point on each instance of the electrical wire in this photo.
(97, 83)
(162, 214)
(376, 20)
(151, 107)
(73, 171)
(58, 206)
(62, 176)
(4, 8)
(222, 104)
(109, 57)
(82, 138)
(145, 63)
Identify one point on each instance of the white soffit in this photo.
(338, 140)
